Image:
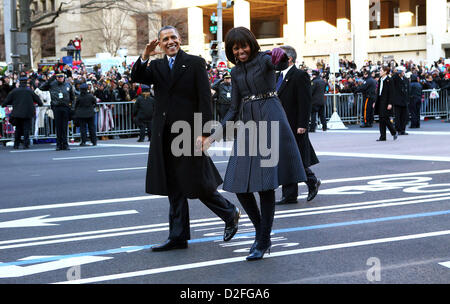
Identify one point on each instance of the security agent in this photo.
(368, 89)
(22, 99)
(62, 97)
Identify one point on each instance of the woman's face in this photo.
(241, 52)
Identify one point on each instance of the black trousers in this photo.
(23, 128)
(179, 226)
(401, 118)
(321, 111)
(90, 123)
(261, 220)
(290, 191)
(145, 126)
(61, 114)
(222, 110)
(414, 110)
(368, 110)
(385, 122)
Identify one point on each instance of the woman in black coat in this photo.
(85, 113)
(254, 96)
(143, 112)
(383, 106)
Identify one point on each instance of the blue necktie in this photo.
(171, 60)
(280, 81)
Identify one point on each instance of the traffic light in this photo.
(230, 3)
(214, 49)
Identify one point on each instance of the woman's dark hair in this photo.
(240, 36)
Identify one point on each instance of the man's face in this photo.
(169, 42)
(227, 80)
(60, 78)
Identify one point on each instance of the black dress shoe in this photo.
(403, 133)
(259, 251)
(83, 144)
(232, 228)
(313, 191)
(381, 139)
(285, 201)
(58, 148)
(170, 245)
(395, 136)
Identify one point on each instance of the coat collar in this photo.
(179, 67)
(286, 79)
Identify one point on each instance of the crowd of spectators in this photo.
(435, 76)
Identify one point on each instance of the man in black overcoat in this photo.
(383, 106)
(318, 101)
(294, 91)
(22, 99)
(401, 100)
(181, 89)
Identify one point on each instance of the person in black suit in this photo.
(294, 92)
(85, 114)
(318, 88)
(383, 106)
(182, 91)
(400, 100)
(22, 99)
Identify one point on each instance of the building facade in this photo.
(358, 30)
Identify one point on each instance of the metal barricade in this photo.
(434, 103)
(110, 118)
(348, 107)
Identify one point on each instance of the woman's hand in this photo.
(277, 54)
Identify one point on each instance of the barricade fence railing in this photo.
(116, 118)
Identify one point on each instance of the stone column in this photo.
(195, 31)
(436, 28)
(359, 10)
(294, 31)
(241, 10)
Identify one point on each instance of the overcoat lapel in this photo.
(180, 66)
(286, 80)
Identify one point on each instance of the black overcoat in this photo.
(385, 98)
(295, 96)
(178, 95)
(22, 99)
(400, 89)
(85, 106)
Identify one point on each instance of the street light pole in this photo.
(220, 31)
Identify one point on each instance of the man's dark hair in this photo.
(168, 27)
(240, 36)
(290, 52)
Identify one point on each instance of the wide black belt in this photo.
(259, 96)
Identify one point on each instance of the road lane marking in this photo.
(144, 168)
(240, 235)
(71, 237)
(387, 156)
(378, 132)
(99, 156)
(42, 220)
(243, 258)
(151, 197)
(445, 264)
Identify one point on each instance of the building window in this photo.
(48, 47)
(35, 6)
(142, 32)
(53, 5)
(44, 5)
